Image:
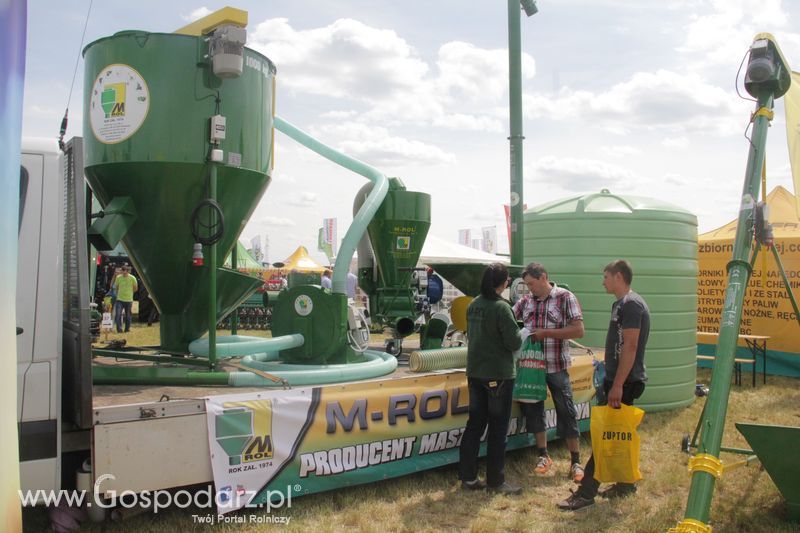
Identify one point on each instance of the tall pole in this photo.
(767, 78)
(516, 137)
(235, 266)
(212, 265)
(706, 466)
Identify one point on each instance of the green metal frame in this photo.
(516, 137)
(712, 420)
(118, 354)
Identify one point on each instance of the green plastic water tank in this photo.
(576, 237)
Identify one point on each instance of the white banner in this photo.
(464, 237)
(251, 437)
(489, 239)
(329, 227)
(255, 248)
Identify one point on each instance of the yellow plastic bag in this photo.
(615, 443)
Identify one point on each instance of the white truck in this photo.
(140, 436)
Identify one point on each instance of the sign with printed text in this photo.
(766, 308)
(280, 443)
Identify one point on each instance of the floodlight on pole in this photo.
(530, 7)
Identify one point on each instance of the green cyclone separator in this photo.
(241, 345)
(362, 219)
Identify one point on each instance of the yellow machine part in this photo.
(458, 312)
(207, 24)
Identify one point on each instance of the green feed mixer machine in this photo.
(179, 135)
(399, 290)
(178, 149)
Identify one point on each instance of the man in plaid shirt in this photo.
(552, 315)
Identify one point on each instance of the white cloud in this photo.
(274, 221)
(721, 36)
(461, 121)
(342, 59)
(197, 14)
(676, 142)
(619, 150)
(377, 146)
(677, 180)
(304, 199)
(482, 216)
(393, 84)
(660, 100)
(466, 71)
(575, 174)
(339, 115)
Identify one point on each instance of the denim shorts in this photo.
(566, 414)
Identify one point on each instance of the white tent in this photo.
(439, 251)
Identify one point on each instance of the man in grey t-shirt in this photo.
(629, 314)
(626, 340)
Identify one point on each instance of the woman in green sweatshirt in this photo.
(493, 338)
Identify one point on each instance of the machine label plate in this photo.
(303, 305)
(118, 104)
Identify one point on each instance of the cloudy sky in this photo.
(635, 96)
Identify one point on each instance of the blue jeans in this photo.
(489, 404)
(119, 307)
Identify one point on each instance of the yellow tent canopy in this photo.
(791, 104)
(767, 309)
(782, 216)
(301, 262)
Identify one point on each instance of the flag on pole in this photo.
(489, 239)
(255, 249)
(464, 237)
(327, 239)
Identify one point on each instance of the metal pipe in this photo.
(235, 266)
(155, 375)
(368, 209)
(212, 265)
(712, 422)
(516, 137)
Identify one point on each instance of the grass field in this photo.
(745, 499)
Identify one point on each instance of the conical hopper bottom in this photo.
(775, 448)
(160, 242)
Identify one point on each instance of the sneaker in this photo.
(575, 501)
(543, 465)
(576, 471)
(475, 484)
(619, 490)
(505, 488)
